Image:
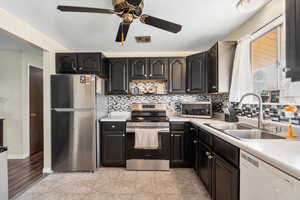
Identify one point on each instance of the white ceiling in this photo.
(204, 22)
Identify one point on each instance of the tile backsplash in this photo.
(121, 103)
(273, 112)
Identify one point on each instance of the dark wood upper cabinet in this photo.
(81, 63)
(225, 180)
(197, 73)
(177, 76)
(292, 39)
(212, 70)
(158, 68)
(117, 76)
(220, 60)
(66, 63)
(148, 68)
(89, 62)
(138, 68)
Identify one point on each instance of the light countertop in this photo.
(114, 119)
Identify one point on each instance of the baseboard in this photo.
(17, 156)
(47, 170)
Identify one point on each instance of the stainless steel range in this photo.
(148, 119)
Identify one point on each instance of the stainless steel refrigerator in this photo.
(73, 122)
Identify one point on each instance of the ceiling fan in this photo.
(128, 10)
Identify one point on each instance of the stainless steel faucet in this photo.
(260, 117)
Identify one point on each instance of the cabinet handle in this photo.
(80, 68)
(188, 90)
(150, 75)
(192, 129)
(195, 141)
(123, 135)
(214, 87)
(207, 153)
(145, 75)
(73, 67)
(113, 126)
(210, 157)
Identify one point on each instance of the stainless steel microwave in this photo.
(197, 109)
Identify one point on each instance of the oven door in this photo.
(162, 153)
(148, 159)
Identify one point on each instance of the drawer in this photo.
(177, 126)
(226, 150)
(113, 126)
(205, 137)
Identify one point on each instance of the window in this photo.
(265, 61)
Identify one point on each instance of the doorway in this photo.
(36, 110)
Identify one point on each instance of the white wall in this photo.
(14, 92)
(11, 94)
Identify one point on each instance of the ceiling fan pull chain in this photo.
(122, 36)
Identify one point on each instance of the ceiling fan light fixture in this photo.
(251, 5)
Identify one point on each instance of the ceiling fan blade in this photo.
(160, 23)
(123, 28)
(84, 9)
(134, 2)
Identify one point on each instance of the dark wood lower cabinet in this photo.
(113, 149)
(205, 166)
(225, 180)
(181, 142)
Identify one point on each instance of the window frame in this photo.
(278, 24)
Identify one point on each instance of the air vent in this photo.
(143, 39)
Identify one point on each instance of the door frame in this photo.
(27, 113)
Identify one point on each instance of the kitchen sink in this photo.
(252, 134)
(244, 131)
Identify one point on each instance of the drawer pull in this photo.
(210, 157)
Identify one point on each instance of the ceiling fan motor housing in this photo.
(124, 9)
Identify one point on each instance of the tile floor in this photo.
(119, 184)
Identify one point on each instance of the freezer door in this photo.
(73, 140)
(73, 91)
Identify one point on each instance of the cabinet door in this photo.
(212, 70)
(177, 148)
(118, 76)
(177, 75)
(205, 166)
(197, 76)
(89, 63)
(66, 63)
(113, 149)
(225, 180)
(138, 68)
(158, 68)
